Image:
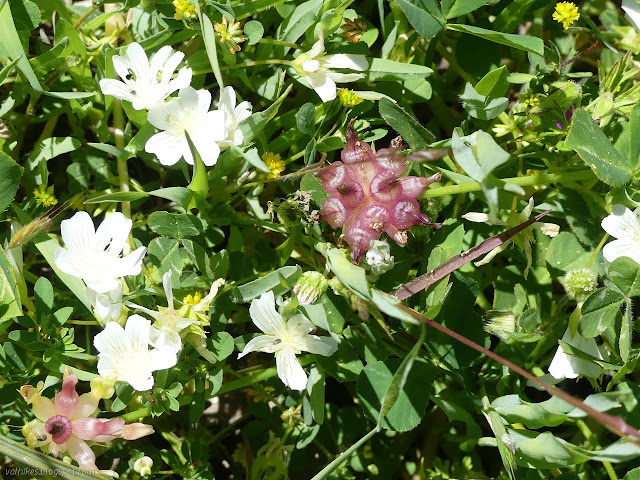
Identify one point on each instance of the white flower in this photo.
(146, 85)
(285, 339)
(315, 68)
(106, 306)
(169, 325)
(94, 255)
(124, 352)
(624, 225)
(188, 113)
(522, 239)
(568, 366)
(379, 257)
(234, 114)
(632, 9)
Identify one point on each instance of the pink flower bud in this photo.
(372, 195)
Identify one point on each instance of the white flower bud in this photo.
(143, 465)
(379, 257)
(309, 287)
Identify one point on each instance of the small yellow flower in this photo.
(230, 34)
(348, 98)
(192, 299)
(566, 13)
(44, 195)
(273, 163)
(530, 99)
(184, 9)
(261, 394)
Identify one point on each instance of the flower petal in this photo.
(324, 86)
(344, 60)
(227, 102)
(66, 400)
(165, 338)
(622, 224)
(262, 343)
(167, 147)
(112, 234)
(116, 88)
(89, 428)
(289, 369)
(138, 60)
(163, 358)
(318, 47)
(81, 453)
(622, 248)
(166, 285)
(162, 115)
(344, 77)
(87, 404)
(568, 366)
(264, 315)
(78, 233)
(326, 346)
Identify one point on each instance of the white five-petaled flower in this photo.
(234, 114)
(189, 113)
(522, 239)
(568, 366)
(94, 255)
(124, 353)
(316, 69)
(285, 339)
(624, 225)
(146, 84)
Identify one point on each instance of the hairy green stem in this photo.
(270, 41)
(89, 11)
(253, 63)
(343, 457)
(123, 172)
(527, 181)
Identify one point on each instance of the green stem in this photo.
(593, 441)
(343, 457)
(253, 63)
(84, 17)
(123, 173)
(598, 248)
(528, 181)
(270, 41)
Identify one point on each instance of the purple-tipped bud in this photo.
(373, 196)
(355, 150)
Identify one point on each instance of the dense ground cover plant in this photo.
(427, 211)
